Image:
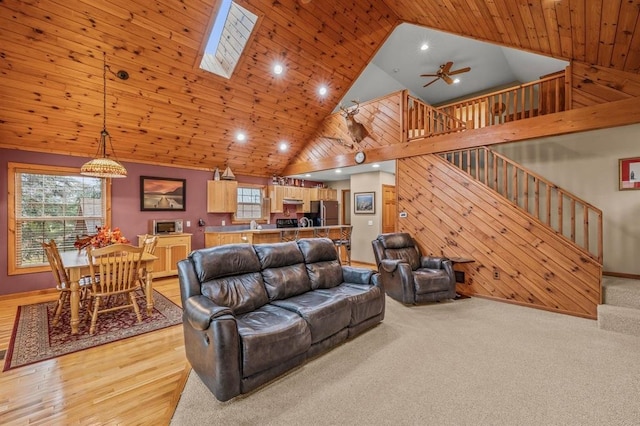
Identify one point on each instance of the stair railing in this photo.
(565, 213)
(424, 121)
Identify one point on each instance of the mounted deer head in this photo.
(356, 130)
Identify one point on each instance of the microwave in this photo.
(166, 226)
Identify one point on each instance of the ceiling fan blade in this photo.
(460, 71)
(431, 82)
(429, 75)
(448, 79)
(446, 67)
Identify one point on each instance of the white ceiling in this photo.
(399, 63)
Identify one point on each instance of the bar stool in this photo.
(344, 241)
(289, 234)
(321, 232)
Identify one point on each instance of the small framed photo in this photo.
(364, 202)
(162, 194)
(629, 173)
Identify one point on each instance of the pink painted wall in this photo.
(125, 204)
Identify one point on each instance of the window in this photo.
(50, 203)
(249, 203)
(230, 33)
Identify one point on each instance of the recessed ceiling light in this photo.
(241, 136)
(338, 171)
(457, 80)
(307, 175)
(283, 146)
(424, 46)
(277, 69)
(323, 90)
(375, 166)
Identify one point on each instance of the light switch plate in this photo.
(370, 223)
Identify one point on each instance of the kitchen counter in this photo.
(257, 236)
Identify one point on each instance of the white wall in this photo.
(340, 185)
(366, 227)
(586, 164)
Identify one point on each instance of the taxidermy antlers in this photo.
(356, 130)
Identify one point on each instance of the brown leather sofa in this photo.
(252, 312)
(409, 277)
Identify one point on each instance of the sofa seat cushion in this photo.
(269, 336)
(326, 314)
(366, 301)
(431, 280)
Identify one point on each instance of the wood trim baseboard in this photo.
(621, 275)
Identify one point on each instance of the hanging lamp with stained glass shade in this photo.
(102, 166)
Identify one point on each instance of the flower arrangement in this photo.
(106, 237)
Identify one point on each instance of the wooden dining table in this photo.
(77, 264)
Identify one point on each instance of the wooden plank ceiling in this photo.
(170, 112)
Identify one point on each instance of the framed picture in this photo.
(364, 202)
(629, 173)
(162, 194)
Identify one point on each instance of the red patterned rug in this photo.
(29, 343)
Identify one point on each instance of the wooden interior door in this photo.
(346, 207)
(388, 209)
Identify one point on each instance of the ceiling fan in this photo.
(445, 73)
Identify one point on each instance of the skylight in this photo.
(231, 31)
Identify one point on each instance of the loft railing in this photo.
(422, 120)
(568, 215)
(544, 96)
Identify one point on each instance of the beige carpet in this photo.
(468, 362)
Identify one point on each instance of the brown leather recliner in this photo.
(409, 277)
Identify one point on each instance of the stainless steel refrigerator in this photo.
(324, 213)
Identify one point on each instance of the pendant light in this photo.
(102, 166)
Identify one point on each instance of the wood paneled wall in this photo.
(451, 214)
(382, 118)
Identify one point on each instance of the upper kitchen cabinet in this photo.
(324, 194)
(222, 196)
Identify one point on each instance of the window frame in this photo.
(264, 214)
(13, 169)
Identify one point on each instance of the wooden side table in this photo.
(457, 259)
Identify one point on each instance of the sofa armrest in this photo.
(354, 275)
(200, 310)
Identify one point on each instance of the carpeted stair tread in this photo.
(619, 319)
(621, 292)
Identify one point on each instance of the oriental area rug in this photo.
(35, 338)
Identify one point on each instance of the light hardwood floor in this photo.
(136, 381)
(132, 381)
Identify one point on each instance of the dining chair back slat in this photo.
(116, 267)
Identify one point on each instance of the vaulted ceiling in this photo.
(170, 112)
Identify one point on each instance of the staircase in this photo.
(621, 309)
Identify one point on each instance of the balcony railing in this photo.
(422, 120)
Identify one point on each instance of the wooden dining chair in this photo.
(321, 232)
(63, 284)
(148, 244)
(117, 267)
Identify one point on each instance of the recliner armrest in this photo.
(390, 265)
(354, 275)
(432, 262)
(200, 310)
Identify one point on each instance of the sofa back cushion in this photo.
(321, 258)
(230, 276)
(400, 246)
(283, 270)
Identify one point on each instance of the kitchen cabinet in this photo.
(276, 196)
(324, 194)
(222, 196)
(213, 239)
(169, 251)
(279, 193)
